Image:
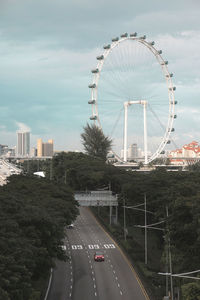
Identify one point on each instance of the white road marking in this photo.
(109, 246)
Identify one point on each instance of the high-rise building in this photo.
(44, 149)
(39, 147)
(33, 152)
(23, 143)
(133, 151)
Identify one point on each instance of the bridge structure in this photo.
(99, 199)
(183, 162)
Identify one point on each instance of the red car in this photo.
(99, 256)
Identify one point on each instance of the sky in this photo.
(48, 48)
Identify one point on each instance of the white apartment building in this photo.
(23, 143)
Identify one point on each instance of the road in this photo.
(7, 169)
(83, 278)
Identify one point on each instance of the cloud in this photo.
(22, 127)
(48, 48)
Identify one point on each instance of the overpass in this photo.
(99, 199)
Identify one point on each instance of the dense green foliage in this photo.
(33, 215)
(95, 142)
(177, 191)
(191, 291)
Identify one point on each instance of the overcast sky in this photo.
(48, 48)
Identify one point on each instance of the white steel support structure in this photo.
(126, 104)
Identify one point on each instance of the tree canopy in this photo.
(179, 191)
(95, 142)
(33, 215)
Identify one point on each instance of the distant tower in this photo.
(132, 151)
(44, 149)
(23, 143)
(39, 147)
(48, 148)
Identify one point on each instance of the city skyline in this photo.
(46, 61)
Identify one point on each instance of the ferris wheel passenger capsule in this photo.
(152, 43)
(106, 47)
(171, 130)
(172, 88)
(162, 152)
(133, 34)
(94, 71)
(169, 75)
(143, 37)
(168, 142)
(174, 116)
(92, 85)
(91, 102)
(164, 63)
(174, 102)
(100, 57)
(115, 39)
(159, 51)
(124, 35)
(93, 118)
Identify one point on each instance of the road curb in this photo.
(49, 284)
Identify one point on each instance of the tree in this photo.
(33, 216)
(95, 142)
(191, 291)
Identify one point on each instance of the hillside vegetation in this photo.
(174, 193)
(33, 215)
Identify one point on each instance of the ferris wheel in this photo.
(133, 97)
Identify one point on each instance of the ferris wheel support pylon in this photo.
(126, 104)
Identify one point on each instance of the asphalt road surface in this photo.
(83, 278)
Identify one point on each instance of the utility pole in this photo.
(145, 228)
(65, 177)
(167, 254)
(170, 258)
(124, 220)
(28, 166)
(51, 169)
